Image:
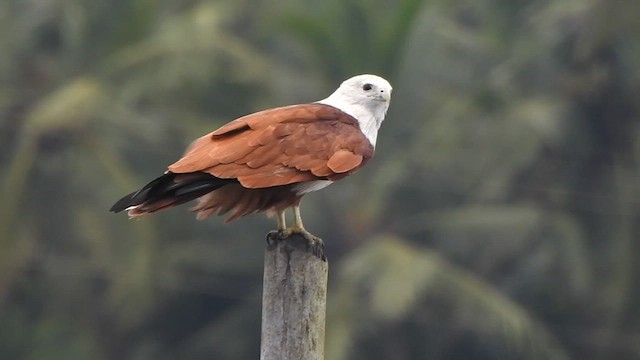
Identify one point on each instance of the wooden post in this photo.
(293, 301)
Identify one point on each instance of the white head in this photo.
(366, 98)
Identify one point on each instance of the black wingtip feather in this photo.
(123, 203)
(172, 187)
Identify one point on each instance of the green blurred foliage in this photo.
(499, 219)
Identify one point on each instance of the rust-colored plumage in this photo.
(281, 146)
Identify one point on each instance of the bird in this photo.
(267, 161)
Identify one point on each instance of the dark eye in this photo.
(366, 87)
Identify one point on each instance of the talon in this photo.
(272, 237)
(314, 243)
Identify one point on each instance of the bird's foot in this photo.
(314, 243)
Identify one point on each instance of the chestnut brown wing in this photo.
(281, 146)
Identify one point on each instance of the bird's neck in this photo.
(368, 119)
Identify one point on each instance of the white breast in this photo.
(309, 186)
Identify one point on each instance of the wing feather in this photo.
(281, 146)
(344, 160)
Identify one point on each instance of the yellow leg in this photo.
(298, 228)
(297, 219)
(314, 243)
(282, 221)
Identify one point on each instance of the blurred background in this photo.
(499, 219)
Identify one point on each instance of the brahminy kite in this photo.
(268, 160)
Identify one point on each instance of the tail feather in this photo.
(169, 190)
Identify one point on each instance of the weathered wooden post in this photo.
(293, 301)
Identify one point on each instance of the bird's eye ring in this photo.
(366, 87)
